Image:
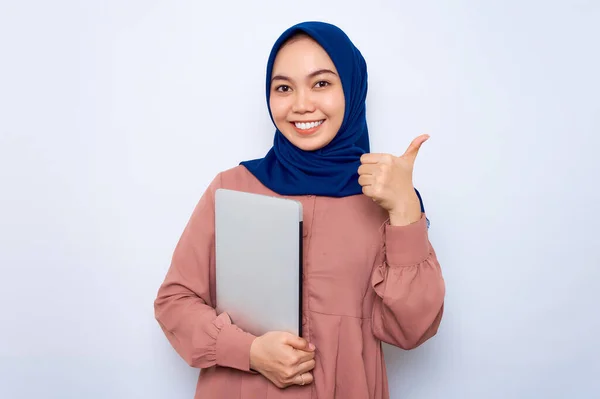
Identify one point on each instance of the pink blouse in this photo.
(364, 282)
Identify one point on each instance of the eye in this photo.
(321, 84)
(282, 88)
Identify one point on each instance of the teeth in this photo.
(308, 125)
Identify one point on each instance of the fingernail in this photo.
(312, 347)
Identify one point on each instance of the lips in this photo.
(307, 128)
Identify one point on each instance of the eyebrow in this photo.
(310, 75)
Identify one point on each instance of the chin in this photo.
(308, 143)
(308, 147)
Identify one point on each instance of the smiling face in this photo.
(307, 100)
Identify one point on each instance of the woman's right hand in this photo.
(283, 358)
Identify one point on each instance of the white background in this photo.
(115, 115)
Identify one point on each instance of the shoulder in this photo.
(233, 177)
(238, 178)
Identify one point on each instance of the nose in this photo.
(303, 102)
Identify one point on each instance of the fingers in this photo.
(303, 379)
(415, 145)
(299, 343)
(366, 180)
(370, 159)
(373, 158)
(370, 191)
(302, 356)
(291, 374)
(306, 366)
(368, 169)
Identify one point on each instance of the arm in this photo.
(409, 287)
(184, 306)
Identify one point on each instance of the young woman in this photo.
(370, 272)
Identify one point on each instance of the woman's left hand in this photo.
(388, 180)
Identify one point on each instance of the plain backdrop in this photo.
(115, 116)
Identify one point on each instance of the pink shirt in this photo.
(364, 282)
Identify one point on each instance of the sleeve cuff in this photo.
(233, 348)
(407, 245)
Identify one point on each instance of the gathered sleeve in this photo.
(409, 287)
(184, 306)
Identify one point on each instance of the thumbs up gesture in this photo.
(388, 180)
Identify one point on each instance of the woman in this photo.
(370, 273)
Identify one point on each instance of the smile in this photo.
(308, 125)
(307, 128)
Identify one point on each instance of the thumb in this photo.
(415, 146)
(300, 343)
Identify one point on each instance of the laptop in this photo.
(258, 241)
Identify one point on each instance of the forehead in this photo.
(302, 52)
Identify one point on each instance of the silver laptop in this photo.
(258, 242)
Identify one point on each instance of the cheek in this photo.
(278, 109)
(334, 106)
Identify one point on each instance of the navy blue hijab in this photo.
(332, 170)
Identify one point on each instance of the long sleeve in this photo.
(409, 287)
(184, 306)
